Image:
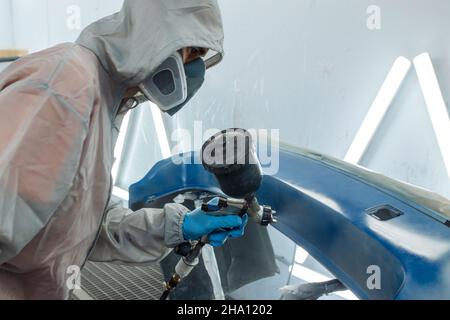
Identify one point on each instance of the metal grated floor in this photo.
(105, 281)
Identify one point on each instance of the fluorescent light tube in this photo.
(435, 104)
(378, 110)
(120, 193)
(161, 131)
(118, 149)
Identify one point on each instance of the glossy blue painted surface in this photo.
(322, 209)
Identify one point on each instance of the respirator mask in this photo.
(173, 84)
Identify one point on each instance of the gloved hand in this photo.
(218, 228)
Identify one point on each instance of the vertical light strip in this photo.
(301, 255)
(118, 149)
(435, 104)
(121, 193)
(118, 152)
(378, 110)
(161, 131)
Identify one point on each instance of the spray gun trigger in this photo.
(215, 205)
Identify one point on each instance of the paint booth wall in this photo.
(6, 35)
(312, 69)
(38, 24)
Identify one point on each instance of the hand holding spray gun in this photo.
(230, 156)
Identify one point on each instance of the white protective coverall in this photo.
(58, 125)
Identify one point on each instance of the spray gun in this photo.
(231, 157)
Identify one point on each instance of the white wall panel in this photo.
(39, 24)
(30, 21)
(312, 69)
(6, 28)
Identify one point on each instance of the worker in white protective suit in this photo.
(59, 113)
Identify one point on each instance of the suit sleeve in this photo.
(141, 237)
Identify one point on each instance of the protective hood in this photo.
(135, 41)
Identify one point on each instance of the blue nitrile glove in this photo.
(218, 228)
